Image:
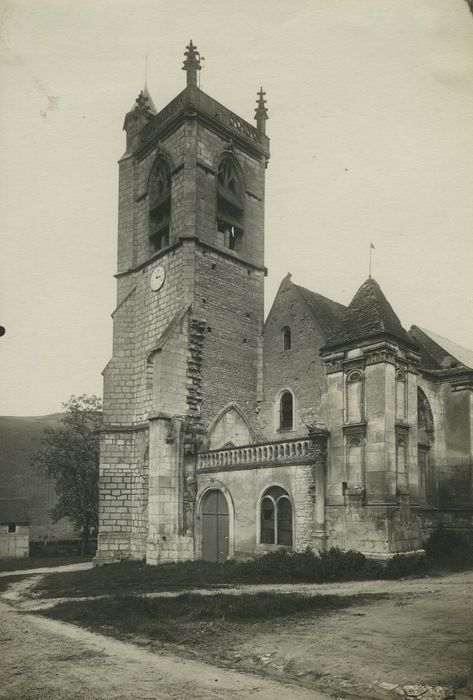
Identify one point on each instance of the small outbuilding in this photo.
(14, 528)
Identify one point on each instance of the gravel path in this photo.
(44, 659)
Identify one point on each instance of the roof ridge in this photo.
(323, 309)
(318, 294)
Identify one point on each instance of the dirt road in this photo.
(43, 659)
(421, 631)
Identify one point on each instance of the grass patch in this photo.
(192, 619)
(137, 577)
(38, 562)
(6, 582)
(445, 552)
(277, 567)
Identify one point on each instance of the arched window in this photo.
(354, 461)
(428, 490)
(159, 197)
(286, 338)
(286, 411)
(401, 396)
(230, 208)
(354, 383)
(425, 419)
(276, 517)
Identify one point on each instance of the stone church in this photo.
(227, 436)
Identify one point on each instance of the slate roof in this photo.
(328, 313)
(13, 510)
(438, 352)
(369, 314)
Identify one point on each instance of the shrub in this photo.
(336, 565)
(61, 548)
(332, 565)
(448, 548)
(401, 566)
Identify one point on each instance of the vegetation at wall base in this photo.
(449, 549)
(54, 549)
(275, 567)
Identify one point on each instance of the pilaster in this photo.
(318, 435)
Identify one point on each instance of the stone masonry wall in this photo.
(115, 489)
(210, 148)
(374, 530)
(244, 489)
(229, 296)
(298, 369)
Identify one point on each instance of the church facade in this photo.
(226, 436)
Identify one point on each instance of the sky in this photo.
(370, 118)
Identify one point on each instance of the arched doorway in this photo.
(215, 530)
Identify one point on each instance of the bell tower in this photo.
(187, 328)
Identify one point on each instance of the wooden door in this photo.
(215, 527)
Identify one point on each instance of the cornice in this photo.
(124, 427)
(224, 252)
(191, 104)
(355, 429)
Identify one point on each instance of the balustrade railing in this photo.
(276, 452)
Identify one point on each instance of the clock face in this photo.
(157, 278)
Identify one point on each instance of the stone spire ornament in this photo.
(191, 64)
(141, 102)
(144, 103)
(261, 112)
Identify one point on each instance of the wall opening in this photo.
(159, 198)
(230, 209)
(276, 521)
(286, 411)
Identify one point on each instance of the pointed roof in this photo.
(438, 352)
(150, 103)
(327, 313)
(368, 315)
(144, 101)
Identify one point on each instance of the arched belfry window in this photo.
(286, 338)
(230, 208)
(159, 197)
(354, 384)
(286, 411)
(276, 517)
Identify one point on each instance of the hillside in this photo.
(20, 438)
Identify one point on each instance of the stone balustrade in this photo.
(257, 455)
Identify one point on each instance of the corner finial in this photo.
(261, 112)
(141, 103)
(191, 64)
